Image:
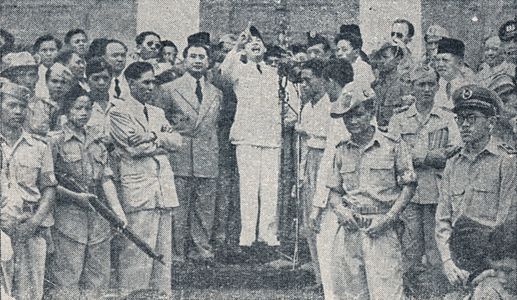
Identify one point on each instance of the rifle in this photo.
(69, 183)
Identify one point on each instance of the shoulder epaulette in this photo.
(507, 149)
(391, 137)
(40, 138)
(342, 143)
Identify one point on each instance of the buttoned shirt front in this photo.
(374, 175)
(29, 169)
(257, 117)
(422, 134)
(479, 187)
(85, 160)
(315, 121)
(41, 85)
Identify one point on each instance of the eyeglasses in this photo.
(470, 118)
(157, 45)
(397, 34)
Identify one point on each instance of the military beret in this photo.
(17, 91)
(18, 59)
(199, 38)
(452, 46)
(435, 33)
(476, 97)
(508, 30)
(353, 95)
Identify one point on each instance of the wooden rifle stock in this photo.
(111, 217)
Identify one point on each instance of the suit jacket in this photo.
(197, 123)
(146, 175)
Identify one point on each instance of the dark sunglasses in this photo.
(397, 34)
(157, 45)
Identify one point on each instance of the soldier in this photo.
(433, 34)
(371, 182)
(29, 169)
(81, 262)
(478, 183)
(508, 35)
(46, 114)
(143, 138)
(20, 68)
(432, 136)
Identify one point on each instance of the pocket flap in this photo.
(71, 158)
(348, 168)
(382, 164)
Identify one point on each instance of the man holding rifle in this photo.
(81, 263)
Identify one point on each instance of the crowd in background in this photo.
(388, 164)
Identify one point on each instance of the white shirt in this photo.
(41, 85)
(315, 121)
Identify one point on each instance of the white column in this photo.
(173, 20)
(376, 17)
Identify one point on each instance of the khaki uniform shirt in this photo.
(28, 168)
(481, 188)
(435, 131)
(84, 160)
(373, 176)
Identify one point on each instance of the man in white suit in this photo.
(192, 106)
(144, 137)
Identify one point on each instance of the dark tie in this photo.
(199, 93)
(259, 68)
(448, 88)
(118, 91)
(146, 114)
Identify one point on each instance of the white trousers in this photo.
(259, 169)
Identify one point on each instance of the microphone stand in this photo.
(283, 96)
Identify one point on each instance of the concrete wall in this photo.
(28, 19)
(469, 20)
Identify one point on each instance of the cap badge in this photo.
(467, 93)
(510, 27)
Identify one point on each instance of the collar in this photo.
(135, 102)
(25, 136)
(491, 148)
(69, 133)
(376, 140)
(412, 111)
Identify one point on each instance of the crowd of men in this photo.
(403, 163)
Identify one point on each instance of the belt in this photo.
(30, 207)
(369, 210)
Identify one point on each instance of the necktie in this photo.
(199, 93)
(146, 114)
(448, 88)
(118, 91)
(259, 68)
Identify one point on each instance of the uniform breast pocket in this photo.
(457, 196)
(409, 137)
(484, 203)
(382, 172)
(350, 176)
(72, 163)
(27, 172)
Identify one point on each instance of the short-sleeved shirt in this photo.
(372, 176)
(480, 188)
(29, 169)
(423, 134)
(43, 115)
(85, 160)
